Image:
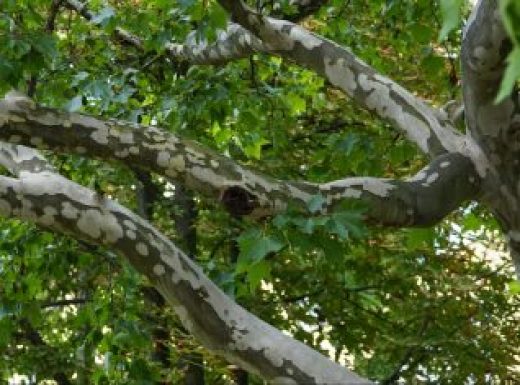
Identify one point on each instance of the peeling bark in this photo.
(495, 127)
(60, 205)
(416, 202)
(423, 125)
(482, 165)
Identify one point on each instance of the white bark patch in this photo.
(339, 73)
(421, 175)
(134, 150)
(48, 216)
(163, 159)
(142, 249)
(351, 193)
(296, 34)
(87, 223)
(445, 164)
(131, 235)
(297, 193)
(432, 178)
(130, 224)
(94, 223)
(195, 159)
(375, 186)
(126, 137)
(45, 182)
(122, 153)
(100, 135)
(380, 101)
(308, 40)
(468, 147)
(206, 175)
(159, 270)
(178, 163)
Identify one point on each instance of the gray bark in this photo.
(482, 165)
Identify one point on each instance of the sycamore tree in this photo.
(277, 179)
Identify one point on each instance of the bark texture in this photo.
(482, 165)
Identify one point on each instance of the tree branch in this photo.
(494, 126)
(426, 127)
(233, 43)
(429, 196)
(485, 47)
(429, 128)
(62, 206)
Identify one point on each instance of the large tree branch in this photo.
(429, 128)
(60, 205)
(495, 126)
(485, 47)
(422, 200)
(422, 124)
(232, 44)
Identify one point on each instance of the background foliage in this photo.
(433, 304)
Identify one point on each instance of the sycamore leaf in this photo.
(450, 11)
(254, 246)
(514, 287)
(511, 75)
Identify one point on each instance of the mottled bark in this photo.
(60, 205)
(483, 165)
(494, 126)
(422, 124)
(419, 201)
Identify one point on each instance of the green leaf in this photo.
(254, 246)
(257, 272)
(296, 103)
(420, 238)
(510, 11)
(450, 11)
(316, 203)
(514, 287)
(511, 75)
(45, 44)
(103, 16)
